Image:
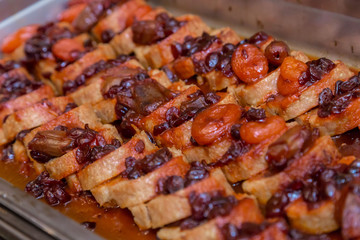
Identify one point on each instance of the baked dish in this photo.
(199, 133)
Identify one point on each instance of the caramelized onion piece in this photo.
(51, 142)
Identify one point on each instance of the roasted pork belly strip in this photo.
(166, 209)
(34, 116)
(246, 210)
(299, 103)
(127, 192)
(323, 151)
(113, 164)
(69, 73)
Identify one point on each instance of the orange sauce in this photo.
(110, 223)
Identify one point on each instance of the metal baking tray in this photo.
(328, 28)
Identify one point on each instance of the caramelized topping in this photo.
(248, 230)
(218, 61)
(337, 102)
(49, 144)
(92, 13)
(258, 38)
(193, 45)
(137, 168)
(196, 103)
(17, 86)
(207, 205)
(316, 70)
(152, 31)
(320, 185)
(197, 172)
(71, 86)
(39, 46)
(8, 66)
(50, 189)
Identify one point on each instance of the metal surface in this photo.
(39, 12)
(315, 31)
(9, 7)
(35, 219)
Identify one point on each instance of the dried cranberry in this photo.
(140, 146)
(40, 157)
(258, 38)
(230, 232)
(37, 47)
(193, 45)
(170, 184)
(159, 129)
(237, 149)
(235, 131)
(209, 205)
(172, 114)
(325, 97)
(52, 190)
(354, 168)
(120, 110)
(107, 35)
(151, 31)
(348, 85)
(70, 106)
(212, 98)
(13, 87)
(212, 60)
(275, 206)
(316, 70)
(311, 193)
(197, 172)
(255, 114)
(20, 136)
(126, 129)
(137, 168)
(7, 153)
(342, 179)
(171, 76)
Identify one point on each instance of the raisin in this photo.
(140, 146)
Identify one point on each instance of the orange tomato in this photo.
(64, 49)
(214, 122)
(256, 132)
(249, 63)
(14, 40)
(290, 72)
